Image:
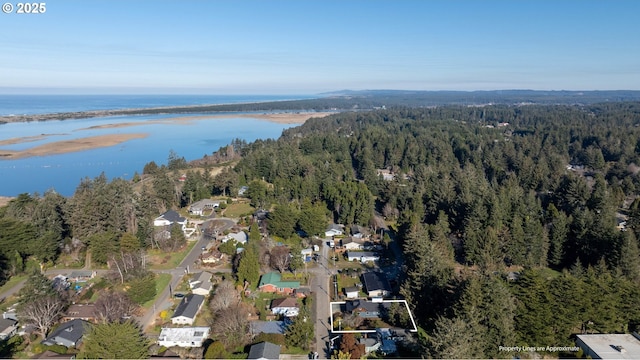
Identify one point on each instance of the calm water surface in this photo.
(63, 172)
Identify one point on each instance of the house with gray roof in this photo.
(199, 207)
(68, 334)
(187, 310)
(8, 328)
(170, 218)
(264, 350)
(201, 284)
(376, 284)
(267, 327)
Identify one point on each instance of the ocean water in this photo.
(63, 172)
(45, 104)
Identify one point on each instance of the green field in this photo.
(238, 210)
(161, 282)
(173, 260)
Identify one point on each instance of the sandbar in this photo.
(280, 118)
(24, 139)
(66, 146)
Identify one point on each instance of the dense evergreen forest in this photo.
(510, 217)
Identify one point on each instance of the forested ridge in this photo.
(507, 215)
(474, 198)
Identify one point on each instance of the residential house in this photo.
(170, 218)
(183, 337)
(8, 328)
(306, 254)
(364, 308)
(200, 283)
(271, 282)
(360, 232)
(264, 351)
(81, 275)
(240, 237)
(285, 306)
(86, 312)
(267, 327)
(187, 310)
(609, 346)
(352, 292)
(352, 243)
(212, 257)
(68, 334)
(199, 207)
(333, 230)
(387, 344)
(376, 284)
(362, 256)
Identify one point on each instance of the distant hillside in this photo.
(368, 100)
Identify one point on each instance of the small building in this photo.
(240, 237)
(183, 337)
(376, 284)
(301, 292)
(187, 310)
(333, 230)
(242, 190)
(364, 308)
(8, 328)
(285, 306)
(170, 218)
(610, 346)
(362, 256)
(352, 292)
(199, 207)
(212, 258)
(201, 284)
(271, 282)
(352, 243)
(81, 275)
(68, 334)
(264, 351)
(86, 312)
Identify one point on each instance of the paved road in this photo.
(162, 301)
(320, 287)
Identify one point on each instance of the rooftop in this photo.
(189, 306)
(186, 334)
(375, 281)
(612, 346)
(264, 350)
(273, 278)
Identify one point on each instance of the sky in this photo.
(310, 47)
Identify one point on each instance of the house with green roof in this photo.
(272, 282)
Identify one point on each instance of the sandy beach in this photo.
(60, 147)
(66, 146)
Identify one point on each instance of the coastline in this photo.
(93, 142)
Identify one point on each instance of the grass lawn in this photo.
(162, 261)
(161, 282)
(13, 281)
(237, 210)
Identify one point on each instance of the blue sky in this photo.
(307, 47)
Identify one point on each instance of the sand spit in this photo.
(66, 146)
(280, 118)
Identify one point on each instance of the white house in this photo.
(610, 346)
(8, 328)
(285, 306)
(183, 337)
(199, 207)
(352, 243)
(352, 292)
(333, 230)
(201, 284)
(187, 310)
(240, 237)
(171, 217)
(362, 256)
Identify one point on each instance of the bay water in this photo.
(63, 172)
